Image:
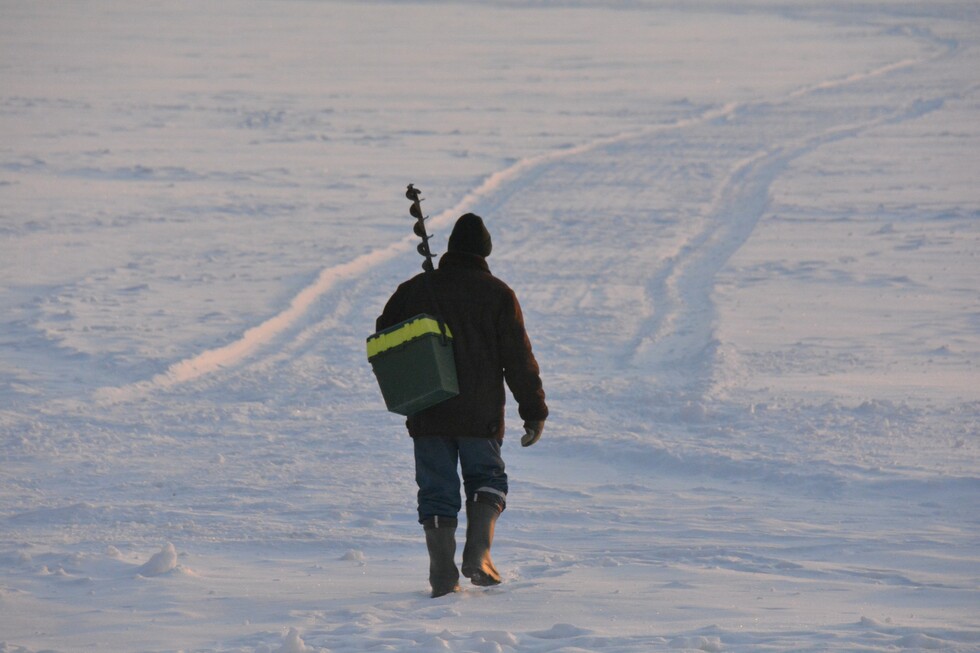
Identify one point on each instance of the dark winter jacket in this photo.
(490, 346)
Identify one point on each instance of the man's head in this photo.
(470, 236)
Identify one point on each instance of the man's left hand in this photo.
(532, 432)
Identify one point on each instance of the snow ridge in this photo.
(679, 336)
(746, 204)
(213, 360)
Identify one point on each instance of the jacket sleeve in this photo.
(520, 367)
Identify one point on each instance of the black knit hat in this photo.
(470, 236)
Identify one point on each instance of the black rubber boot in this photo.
(477, 565)
(440, 539)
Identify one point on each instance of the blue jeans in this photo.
(436, 459)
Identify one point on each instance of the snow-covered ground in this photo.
(745, 237)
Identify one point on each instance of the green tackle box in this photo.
(414, 364)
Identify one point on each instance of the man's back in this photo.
(489, 343)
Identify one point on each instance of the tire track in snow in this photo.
(946, 48)
(255, 338)
(262, 335)
(679, 340)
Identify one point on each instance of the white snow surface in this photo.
(745, 237)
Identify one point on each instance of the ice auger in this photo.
(416, 212)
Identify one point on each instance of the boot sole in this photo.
(482, 579)
(437, 593)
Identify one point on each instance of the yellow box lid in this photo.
(403, 332)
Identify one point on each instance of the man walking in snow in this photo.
(491, 348)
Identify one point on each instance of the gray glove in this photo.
(532, 432)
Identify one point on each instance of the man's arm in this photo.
(521, 370)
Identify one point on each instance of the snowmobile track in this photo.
(673, 336)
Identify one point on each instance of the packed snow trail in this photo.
(497, 187)
(679, 336)
(491, 190)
